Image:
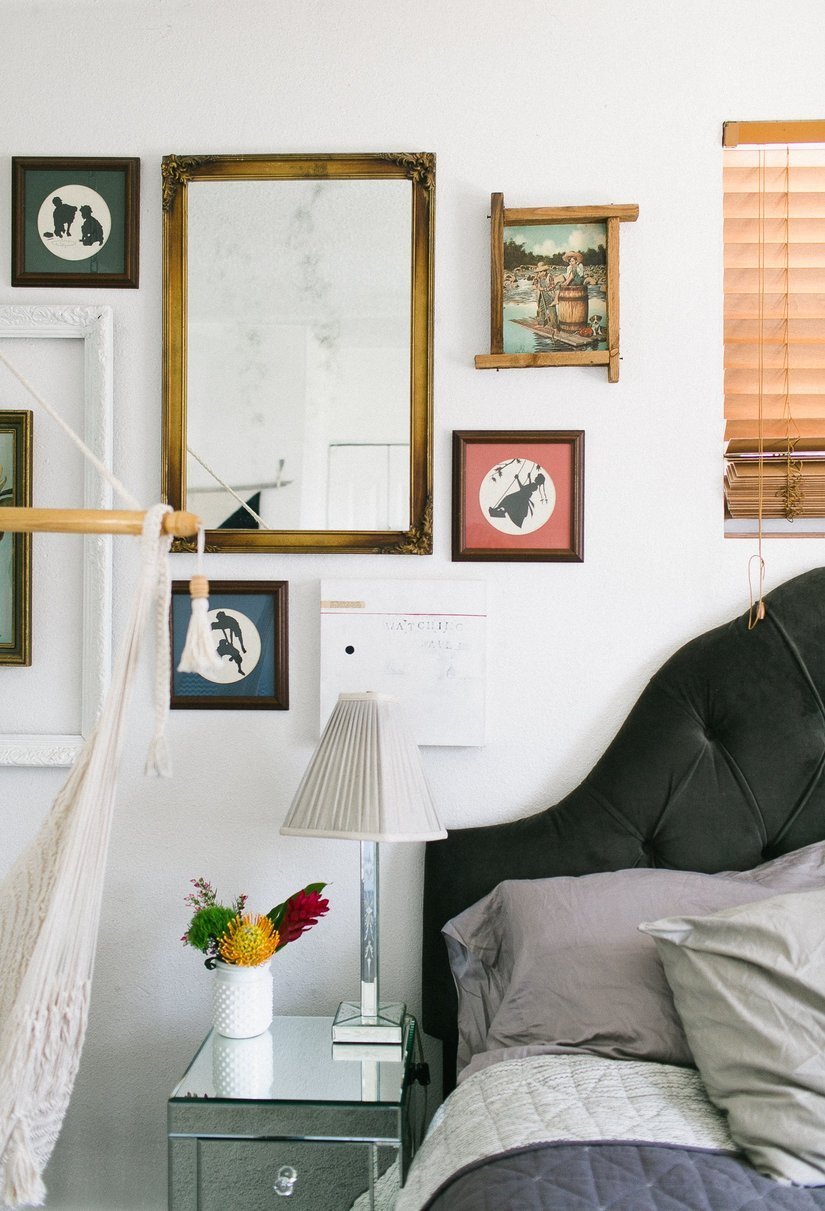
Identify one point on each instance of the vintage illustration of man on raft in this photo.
(555, 287)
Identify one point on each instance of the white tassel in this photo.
(23, 1186)
(199, 653)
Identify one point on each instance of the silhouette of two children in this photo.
(91, 231)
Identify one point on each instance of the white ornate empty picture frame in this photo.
(92, 326)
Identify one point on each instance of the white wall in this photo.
(553, 103)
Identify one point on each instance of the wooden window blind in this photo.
(774, 311)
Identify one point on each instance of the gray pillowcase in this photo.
(749, 986)
(800, 870)
(561, 963)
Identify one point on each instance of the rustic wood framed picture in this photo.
(75, 221)
(518, 495)
(554, 286)
(15, 549)
(249, 620)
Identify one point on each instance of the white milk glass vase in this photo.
(241, 1000)
(242, 1067)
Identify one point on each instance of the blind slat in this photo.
(746, 206)
(745, 329)
(799, 231)
(770, 509)
(774, 306)
(775, 357)
(799, 256)
(804, 178)
(799, 382)
(807, 280)
(803, 409)
(773, 429)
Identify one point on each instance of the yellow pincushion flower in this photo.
(248, 941)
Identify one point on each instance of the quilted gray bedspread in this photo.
(580, 1133)
(620, 1177)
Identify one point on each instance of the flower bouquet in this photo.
(239, 946)
(231, 935)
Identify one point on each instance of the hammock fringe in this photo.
(158, 761)
(50, 906)
(23, 1186)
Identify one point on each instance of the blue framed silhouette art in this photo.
(249, 624)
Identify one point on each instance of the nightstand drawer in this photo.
(265, 1175)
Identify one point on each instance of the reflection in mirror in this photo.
(297, 333)
(299, 314)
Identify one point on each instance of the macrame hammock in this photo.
(50, 902)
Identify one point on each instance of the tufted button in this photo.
(648, 849)
(710, 734)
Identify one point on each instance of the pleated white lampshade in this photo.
(365, 781)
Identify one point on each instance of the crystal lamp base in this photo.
(385, 1027)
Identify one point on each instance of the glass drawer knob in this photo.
(285, 1181)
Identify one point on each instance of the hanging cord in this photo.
(158, 762)
(199, 653)
(209, 471)
(756, 608)
(791, 493)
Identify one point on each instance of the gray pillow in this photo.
(799, 870)
(749, 986)
(560, 962)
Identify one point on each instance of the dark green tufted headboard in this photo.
(719, 766)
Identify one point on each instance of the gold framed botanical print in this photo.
(15, 549)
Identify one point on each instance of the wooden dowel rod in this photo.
(91, 521)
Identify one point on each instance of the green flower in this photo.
(207, 925)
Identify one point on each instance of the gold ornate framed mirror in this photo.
(297, 338)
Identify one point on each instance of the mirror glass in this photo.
(296, 411)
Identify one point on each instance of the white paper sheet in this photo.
(424, 641)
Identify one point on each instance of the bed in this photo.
(606, 1067)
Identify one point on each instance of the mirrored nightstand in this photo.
(289, 1115)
